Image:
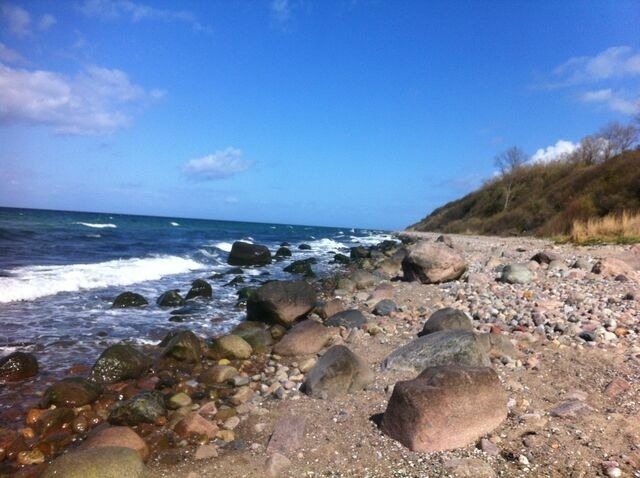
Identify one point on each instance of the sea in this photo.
(60, 272)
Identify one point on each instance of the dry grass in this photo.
(619, 228)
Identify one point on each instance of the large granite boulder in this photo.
(281, 302)
(338, 371)
(445, 408)
(447, 347)
(17, 366)
(432, 263)
(129, 299)
(245, 254)
(71, 392)
(447, 319)
(307, 337)
(102, 462)
(119, 362)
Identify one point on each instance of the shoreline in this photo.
(340, 437)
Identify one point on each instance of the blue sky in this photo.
(346, 113)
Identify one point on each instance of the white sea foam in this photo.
(39, 281)
(327, 244)
(173, 223)
(96, 225)
(223, 246)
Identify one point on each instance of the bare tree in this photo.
(508, 162)
(618, 138)
(591, 150)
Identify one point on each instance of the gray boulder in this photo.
(385, 307)
(281, 302)
(447, 347)
(432, 263)
(171, 298)
(350, 319)
(338, 371)
(245, 254)
(182, 345)
(447, 319)
(200, 288)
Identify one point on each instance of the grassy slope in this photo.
(546, 199)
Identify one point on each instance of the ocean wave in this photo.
(38, 281)
(173, 223)
(96, 225)
(327, 244)
(223, 246)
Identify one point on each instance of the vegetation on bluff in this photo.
(592, 194)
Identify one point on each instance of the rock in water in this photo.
(444, 408)
(119, 362)
(245, 254)
(17, 366)
(516, 274)
(350, 319)
(70, 392)
(104, 462)
(447, 319)
(447, 347)
(171, 298)
(338, 371)
(129, 299)
(146, 407)
(281, 302)
(200, 288)
(283, 252)
(433, 263)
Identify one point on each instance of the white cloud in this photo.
(17, 19)
(46, 21)
(614, 100)
(553, 152)
(218, 165)
(95, 101)
(281, 11)
(8, 55)
(614, 62)
(112, 9)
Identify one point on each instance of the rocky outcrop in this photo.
(447, 347)
(281, 302)
(445, 408)
(432, 263)
(119, 362)
(338, 371)
(245, 254)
